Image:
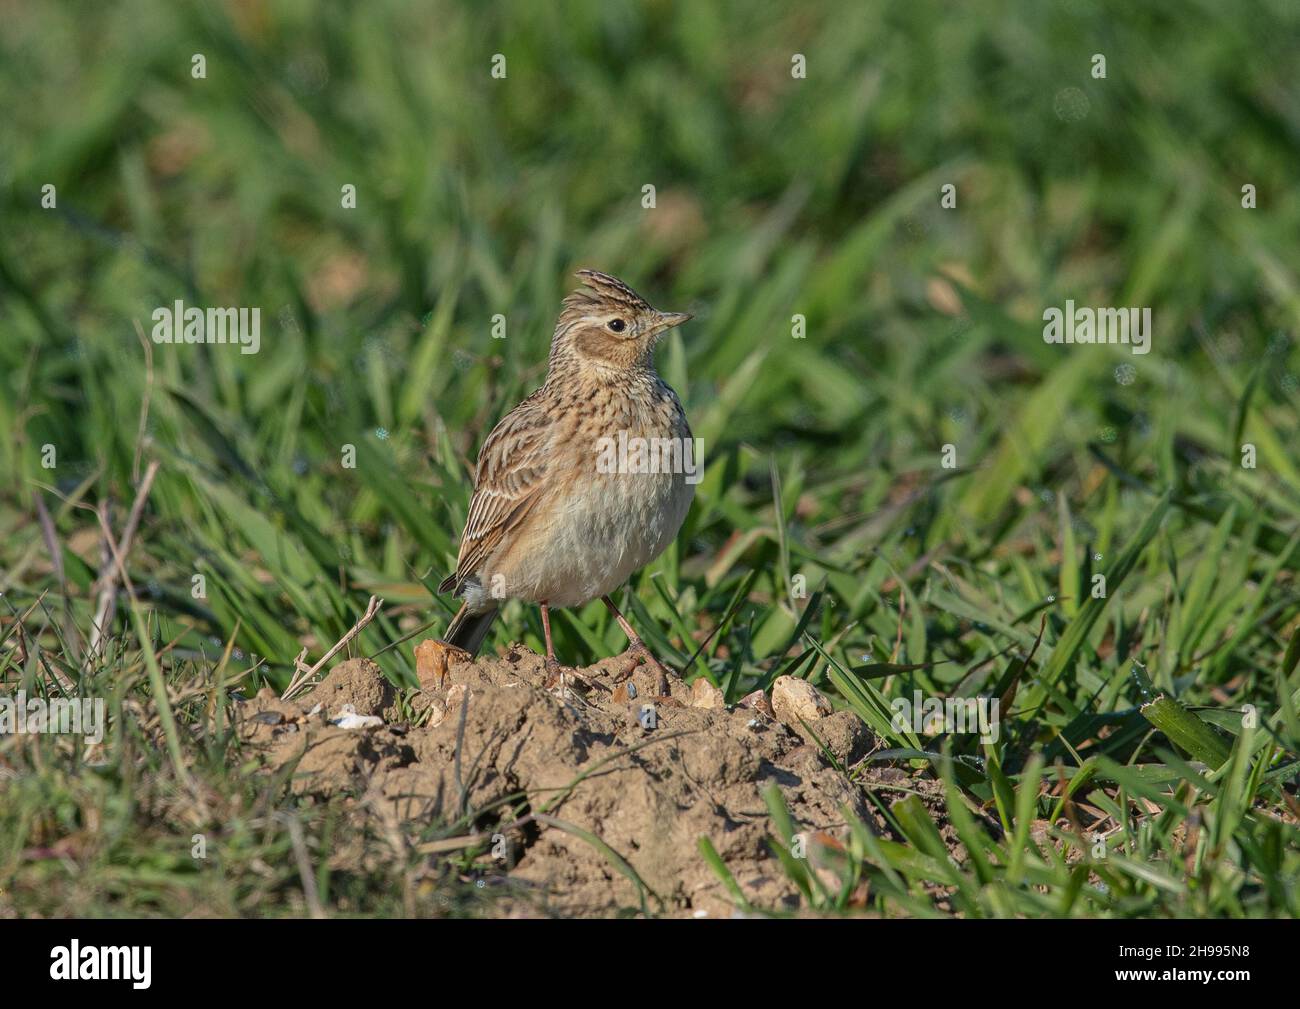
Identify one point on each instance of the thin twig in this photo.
(302, 676)
(902, 612)
(144, 402)
(470, 840)
(106, 604)
(115, 565)
(51, 537)
(299, 843)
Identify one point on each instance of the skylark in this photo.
(557, 518)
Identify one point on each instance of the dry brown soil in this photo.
(581, 781)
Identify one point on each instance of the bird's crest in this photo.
(607, 289)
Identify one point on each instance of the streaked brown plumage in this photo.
(546, 524)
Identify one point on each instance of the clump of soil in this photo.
(599, 758)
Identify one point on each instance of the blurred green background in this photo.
(775, 196)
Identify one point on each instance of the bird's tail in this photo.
(467, 630)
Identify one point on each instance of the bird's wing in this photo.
(511, 472)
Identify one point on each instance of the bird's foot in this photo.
(563, 677)
(554, 673)
(639, 655)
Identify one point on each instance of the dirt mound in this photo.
(579, 787)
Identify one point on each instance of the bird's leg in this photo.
(554, 673)
(552, 663)
(638, 647)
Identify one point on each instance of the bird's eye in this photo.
(617, 325)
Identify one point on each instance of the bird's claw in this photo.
(554, 673)
(639, 655)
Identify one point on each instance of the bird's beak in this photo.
(667, 320)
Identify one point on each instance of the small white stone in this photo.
(351, 720)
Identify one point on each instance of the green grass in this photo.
(775, 197)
